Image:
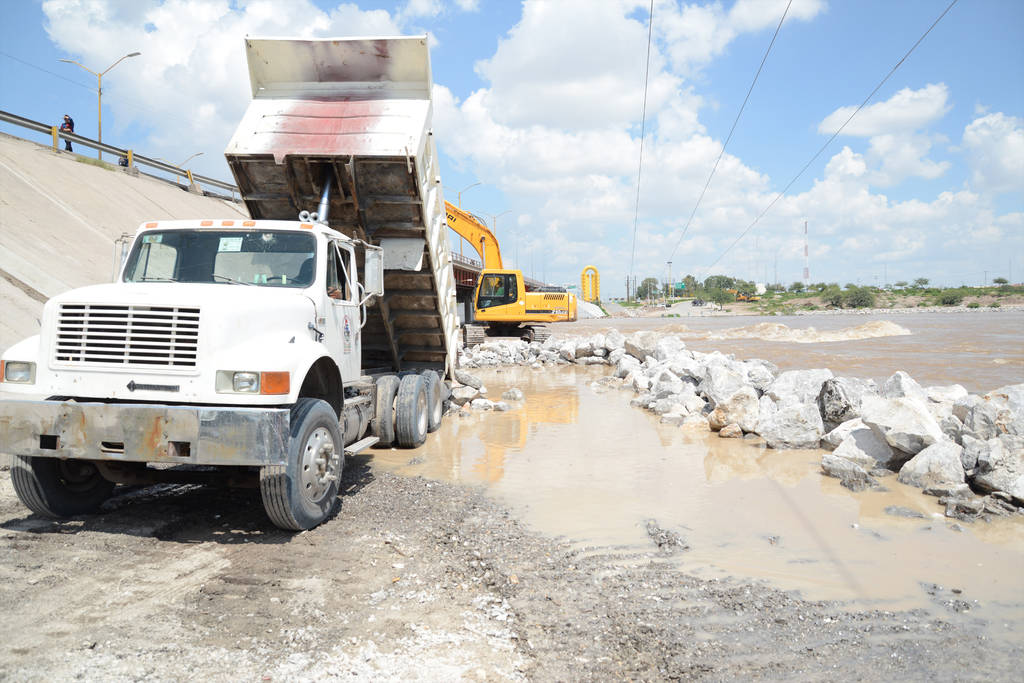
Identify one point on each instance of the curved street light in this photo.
(181, 165)
(99, 94)
(459, 192)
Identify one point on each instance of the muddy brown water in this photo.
(576, 461)
(981, 350)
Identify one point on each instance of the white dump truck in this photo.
(272, 347)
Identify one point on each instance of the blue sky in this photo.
(540, 102)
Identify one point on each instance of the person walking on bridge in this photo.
(68, 126)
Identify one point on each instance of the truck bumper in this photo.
(145, 433)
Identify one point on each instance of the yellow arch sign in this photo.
(590, 284)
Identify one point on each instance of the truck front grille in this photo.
(137, 336)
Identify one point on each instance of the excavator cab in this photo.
(497, 289)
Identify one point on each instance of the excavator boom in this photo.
(477, 234)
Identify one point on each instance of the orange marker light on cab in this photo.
(275, 383)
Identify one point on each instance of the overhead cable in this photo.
(731, 130)
(643, 123)
(834, 135)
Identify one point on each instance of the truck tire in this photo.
(383, 424)
(59, 488)
(411, 412)
(304, 492)
(435, 407)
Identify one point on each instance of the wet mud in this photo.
(575, 461)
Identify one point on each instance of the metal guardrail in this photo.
(133, 159)
(465, 260)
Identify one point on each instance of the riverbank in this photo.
(739, 309)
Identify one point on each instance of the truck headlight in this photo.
(250, 382)
(18, 372)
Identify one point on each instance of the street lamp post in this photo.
(99, 94)
(494, 222)
(459, 201)
(181, 165)
(464, 189)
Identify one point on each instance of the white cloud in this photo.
(906, 111)
(897, 149)
(191, 82)
(468, 5)
(994, 145)
(698, 33)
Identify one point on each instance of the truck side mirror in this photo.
(373, 271)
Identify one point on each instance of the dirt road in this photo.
(420, 580)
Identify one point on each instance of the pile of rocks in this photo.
(967, 449)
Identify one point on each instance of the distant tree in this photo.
(859, 297)
(849, 285)
(796, 287)
(900, 285)
(819, 286)
(921, 282)
(744, 286)
(720, 296)
(691, 283)
(776, 287)
(648, 288)
(1000, 281)
(833, 296)
(951, 297)
(719, 282)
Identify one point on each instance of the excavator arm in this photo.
(475, 233)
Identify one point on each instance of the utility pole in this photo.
(807, 261)
(671, 285)
(985, 281)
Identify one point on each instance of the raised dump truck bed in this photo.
(354, 115)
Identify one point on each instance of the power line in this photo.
(834, 135)
(643, 127)
(731, 130)
(52, 73)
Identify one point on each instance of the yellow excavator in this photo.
(503, 299)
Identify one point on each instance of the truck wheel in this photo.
(383, 424)
(411, 409)
(59, 488)
(435, 409)
(303, 493)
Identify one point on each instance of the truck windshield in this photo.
(266, 258)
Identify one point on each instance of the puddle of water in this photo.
(585, 466)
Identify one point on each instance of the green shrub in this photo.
(833, 296)
(994, 304)
(810, 307)
(950, 298)
(974, 304)
(859, 297)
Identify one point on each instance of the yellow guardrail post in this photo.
(131, 159)
(53, 131)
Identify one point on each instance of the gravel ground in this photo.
(416, 579)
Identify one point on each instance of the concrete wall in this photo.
(59, 218)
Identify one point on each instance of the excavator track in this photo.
(474, 334)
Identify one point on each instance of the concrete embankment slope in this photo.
(59, 219)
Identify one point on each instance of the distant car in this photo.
(698, 302)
